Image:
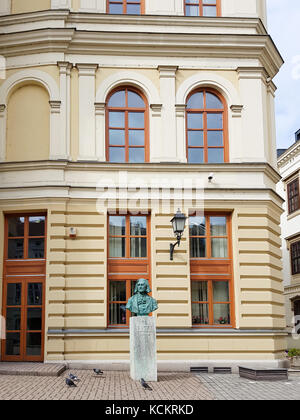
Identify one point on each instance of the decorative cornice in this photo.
(291, 153)
(237, 110)
(72, 41)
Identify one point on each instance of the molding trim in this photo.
(208, 79)
(128, 78)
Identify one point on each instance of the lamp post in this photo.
(178, 224)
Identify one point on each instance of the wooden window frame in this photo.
(212, 269)
(295, 259)
(200, 5)
(125, 2)
(127, 268)
(206, 111)
(293, 191)
(126, 110)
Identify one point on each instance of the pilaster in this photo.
(167, 76)
(5, 7)
(180, 132)
(100, 131)
(93, 6)
(87, 120)
(56, 147)
(61, 4)
(2, 132)
(65, 97)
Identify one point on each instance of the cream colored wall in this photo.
(24, 6)
(28, 124)
(77, 286)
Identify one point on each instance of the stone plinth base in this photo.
(143, 362)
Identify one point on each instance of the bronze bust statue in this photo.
(140, 303)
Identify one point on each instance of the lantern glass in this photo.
(178, 223)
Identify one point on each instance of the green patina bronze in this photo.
(141, 303)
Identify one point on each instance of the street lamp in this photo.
(178, 224)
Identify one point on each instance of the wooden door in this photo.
(24, 287)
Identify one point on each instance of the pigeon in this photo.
(98, 371)
(145, 385)
(70, 383)
(73, 377)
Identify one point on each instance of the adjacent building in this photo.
(288, 188)
(114, 114)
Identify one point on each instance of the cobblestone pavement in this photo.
(170, 386)
(110, 386)
(232, 387)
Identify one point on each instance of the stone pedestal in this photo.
(143, 362)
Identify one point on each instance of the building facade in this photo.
(114, 114)
(288, 188)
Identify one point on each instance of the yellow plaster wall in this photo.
(28, 124)
(24, 6)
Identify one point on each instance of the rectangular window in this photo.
(128, 260)
(125, 7)
(210, 8)
(211, 270)
(295, 257)
(25, 237)
(293, 196)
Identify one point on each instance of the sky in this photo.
(283, 26)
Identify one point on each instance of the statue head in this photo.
(142, 286)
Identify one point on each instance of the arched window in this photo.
(210, 8)
(206, 132)
(127, 126)
(125, 7)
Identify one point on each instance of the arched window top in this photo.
(127, 126)
(209, 8)
(206, 127)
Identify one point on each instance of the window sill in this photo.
(294, 214)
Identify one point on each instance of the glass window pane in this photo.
(221, 314)
(195, 121)
(35, 294)
(36, 248)
(117, 99)
(132, 286)
(16, 226)
(136, 120)
(138, 248)
(215, 155)
(218, 226)
(12, 344)
(195, 138)
(136, 137)
(116, 119)
(117, 291)
(117, 154)
(33, 344)
(135, 100)
(215, 138)
(13, 319)
(221, 291)
(196, 101)
(195, 156)
(133, 9)
(117, 313)
(34, 319)
(138, 225)
(117, 137)
(199, 291)
(117, 247)
(200, 313)
(15, 249)
(197, 226)
(197, 248)
(219, 248)
(214, 120)
(13, 294)
(136, 155)
(117, 225)
(192, 10)
(116, 9)
(209, 11)
(213, 102)
(37, 225)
